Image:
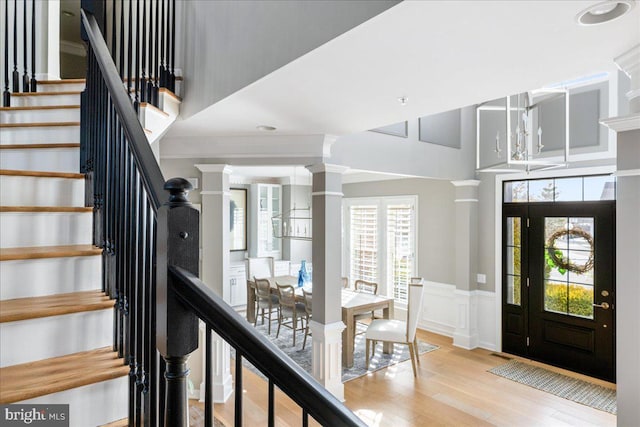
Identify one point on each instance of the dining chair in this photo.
(265, 300)
(345, 283)
(398, 331)
(290, 309)
(308, 308)
(369, 288)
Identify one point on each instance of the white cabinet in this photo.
(269, 204)
(238, 284)
(281, 268)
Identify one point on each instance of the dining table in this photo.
(352, 303)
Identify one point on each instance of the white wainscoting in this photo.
(467, 316)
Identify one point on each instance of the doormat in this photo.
(579, 391)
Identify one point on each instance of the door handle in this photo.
(604, 305)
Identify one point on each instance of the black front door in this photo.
(559, 284)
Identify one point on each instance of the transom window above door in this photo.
(570, 189)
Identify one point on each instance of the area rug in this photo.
(580, 391)
(302, 357)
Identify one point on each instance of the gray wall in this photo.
(436, 221)
(229, 44)
(375, 151)
(487, 230)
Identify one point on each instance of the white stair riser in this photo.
(49, 276)
(20, 229)
(40, 116)
(40, 191)
(60, 87)
(37, 339)
(41, 159)
(35, 100)
(91, 405)
(40, 134)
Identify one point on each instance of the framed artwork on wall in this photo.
(238, 219)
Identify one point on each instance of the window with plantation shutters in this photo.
(379, 243)
(364, 243)
(399, 249)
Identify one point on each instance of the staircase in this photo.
(56, 323)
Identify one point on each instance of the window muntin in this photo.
(571, 189)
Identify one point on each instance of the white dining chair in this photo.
(399, 331)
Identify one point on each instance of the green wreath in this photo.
(555, 257)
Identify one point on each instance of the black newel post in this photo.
(177, 326)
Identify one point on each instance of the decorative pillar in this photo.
(215, 196)
(327, 323)
(466, 245)
(627, 244)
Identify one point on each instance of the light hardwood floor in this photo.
(453, 389)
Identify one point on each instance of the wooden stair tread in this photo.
(37, 252)
(35, 146)
(57, 209)
(40, 107)
(169, 92)
(61, 81)
(38, 125)
(13, 310)
(42, 174)
(154, 108)
(29, 380)
(70, 92)
(120, 423)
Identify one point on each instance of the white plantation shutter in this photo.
(364, 243)
(400, 249)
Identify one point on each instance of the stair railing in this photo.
(150, 264)
(19, 48)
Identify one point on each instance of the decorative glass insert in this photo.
(573, 189)
(514, 233)
(569, 265)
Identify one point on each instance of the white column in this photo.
(627, 245)
(215, 224)
(465, 334)
(327, 325)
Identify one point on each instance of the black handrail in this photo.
(287, 375)
(150, 260)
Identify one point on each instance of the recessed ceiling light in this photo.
(68, 14)
(265, 128)
(604, 11)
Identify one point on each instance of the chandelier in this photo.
(519, 142)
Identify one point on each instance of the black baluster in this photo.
(6, 95)
(136, 102)
(16, 75)
(162, 70)
(130, 49)
(238, 401)
(121, 63)
(25, 76)
(34, 81)
(208, 381)
(156, 55)
(151, 70)
(143, 83)
(305, 418)
(114, 46)
(272, 398)
(172, 81)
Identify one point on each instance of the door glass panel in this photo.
(514, 234)
(569, 262)
(568, 190)
(580, 300)
(541, 190)
(513, 290)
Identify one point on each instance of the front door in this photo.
(559, 284)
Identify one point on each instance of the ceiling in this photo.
(439, 54)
